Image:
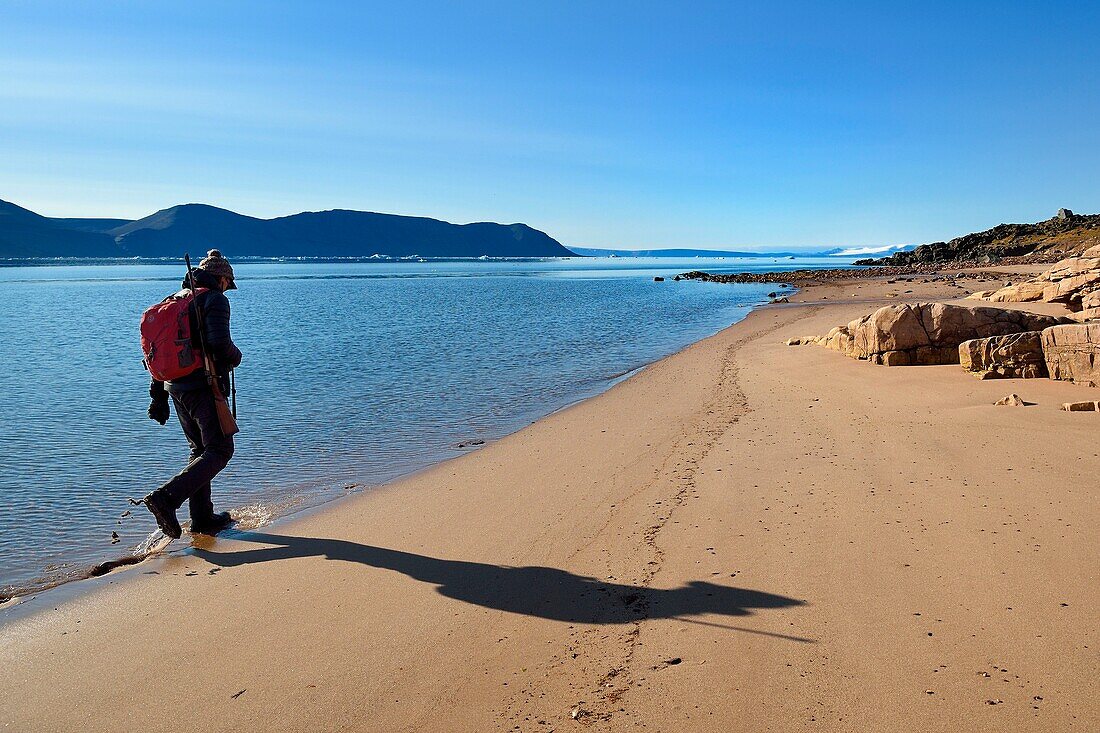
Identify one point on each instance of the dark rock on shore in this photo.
(788, 277)
(813, 277)
(1046, 241)
(474, 443)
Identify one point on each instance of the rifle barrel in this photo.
(226, 419)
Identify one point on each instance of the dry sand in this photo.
(743, 537)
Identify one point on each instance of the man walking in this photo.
(211, 449)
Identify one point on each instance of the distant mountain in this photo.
(91, 225)
(198, 227)
(24, 233)
(1062, 235)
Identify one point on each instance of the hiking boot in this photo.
(212, 524)
(162, 511)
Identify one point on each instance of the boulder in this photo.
(1071, 291)
(1088, 314)
(1071, 281)
(1072, 352)
(927, 333)
(840, 339)
(1025, 292)
(1012, 400)
(1016, 355)
(1081, 406)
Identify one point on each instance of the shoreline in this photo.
(305, 500)
(742, 535)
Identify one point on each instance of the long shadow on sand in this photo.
(532, 591)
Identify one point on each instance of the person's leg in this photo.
(200, 504)
(162, 506)
(211, 450)
(191, 429)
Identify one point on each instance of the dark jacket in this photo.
(219, 344)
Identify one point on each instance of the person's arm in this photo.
(218, 340)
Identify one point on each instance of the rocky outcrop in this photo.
(927, 333)
(1072, 352)
(1089, 314)
(1016, 355)
(1073, 282)
(1065, 233)
(1070, 281)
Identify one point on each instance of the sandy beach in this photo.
(744, 536)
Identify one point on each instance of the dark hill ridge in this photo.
(1063, 235)
(24, 233)
(198, 227)
(101, 226)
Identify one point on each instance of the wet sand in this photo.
(744, 536)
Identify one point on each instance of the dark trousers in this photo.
(210, 452)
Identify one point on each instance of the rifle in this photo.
(226, 418)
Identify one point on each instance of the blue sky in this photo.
(632, 125)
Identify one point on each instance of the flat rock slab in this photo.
(1081, 406)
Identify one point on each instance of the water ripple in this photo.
(350, 378)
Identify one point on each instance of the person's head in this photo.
(215, 264)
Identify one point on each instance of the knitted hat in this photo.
(218, 266)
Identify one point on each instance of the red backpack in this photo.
(166, 337)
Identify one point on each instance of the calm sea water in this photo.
(354, 373)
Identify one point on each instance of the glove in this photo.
(158, 410)
(158, 405)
